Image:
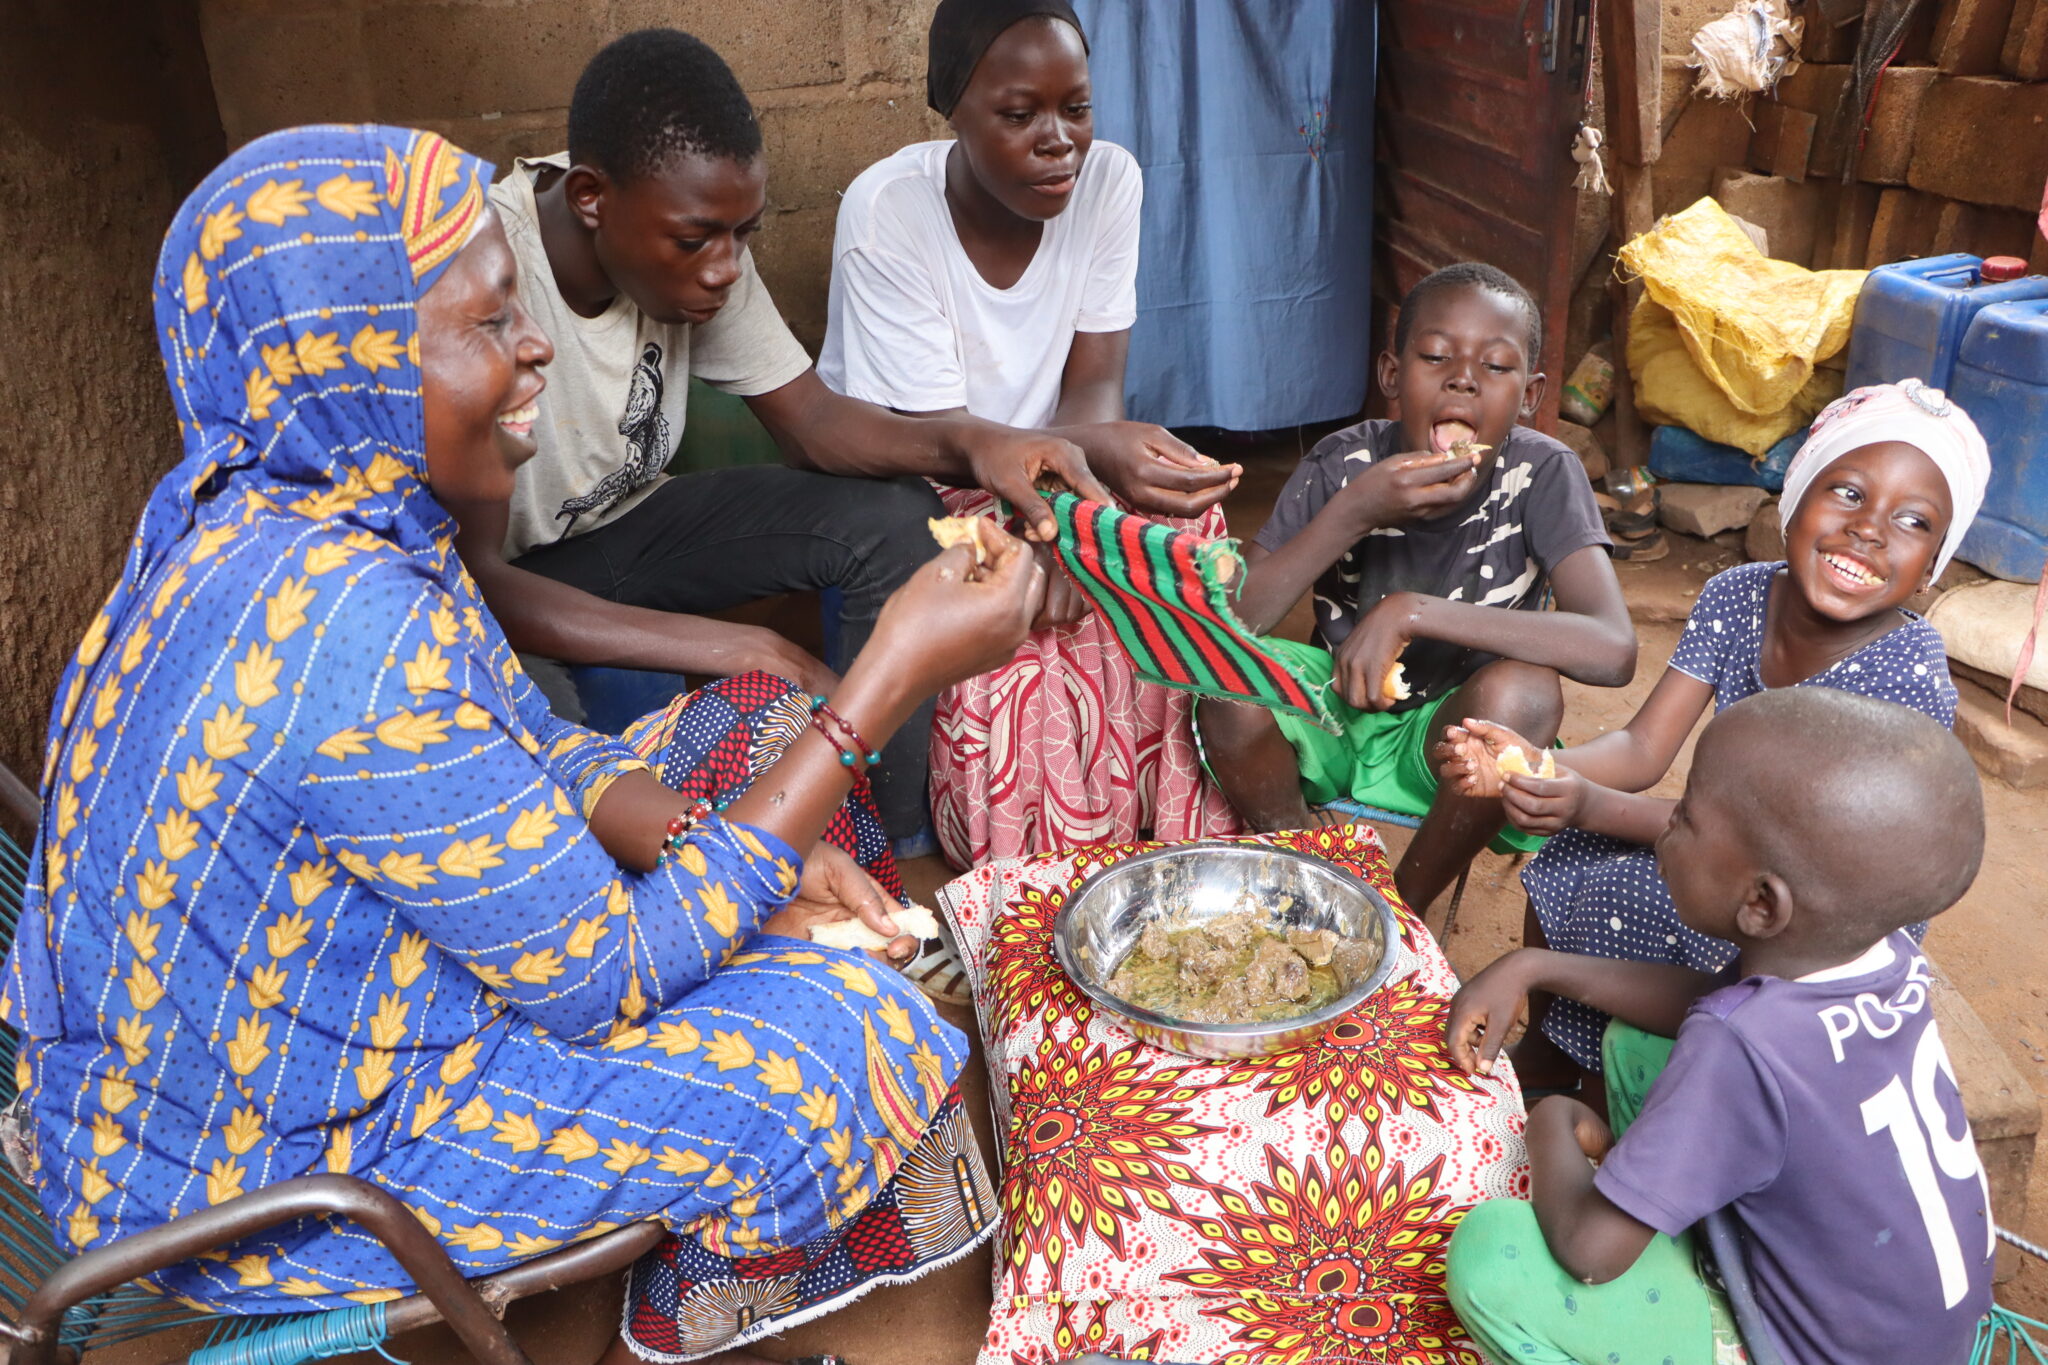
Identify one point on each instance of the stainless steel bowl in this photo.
(1189, 883)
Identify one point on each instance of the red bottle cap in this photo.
(1999, 269)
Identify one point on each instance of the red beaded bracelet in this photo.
(821, 711)
(680, 825)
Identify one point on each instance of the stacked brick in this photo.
(1953, 158)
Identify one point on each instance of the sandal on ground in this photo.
(1631, 522)
(1641, 549)
(939, 973)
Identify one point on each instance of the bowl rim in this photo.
(1351, 999)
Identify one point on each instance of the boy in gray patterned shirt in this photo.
(1435, 560)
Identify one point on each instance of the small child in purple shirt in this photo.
(1807, 1099)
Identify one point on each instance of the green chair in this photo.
(720, 432)
(54, 1307)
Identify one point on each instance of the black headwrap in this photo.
(962, 31)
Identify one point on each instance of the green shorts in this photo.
(1379, 758)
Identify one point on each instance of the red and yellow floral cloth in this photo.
(1292, 1208)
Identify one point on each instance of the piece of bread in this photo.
(1516, 760)
(1395, 685)
(951, 531)
(913, 920)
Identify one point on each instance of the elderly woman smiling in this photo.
(322, 884)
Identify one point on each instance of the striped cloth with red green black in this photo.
(1167, 593)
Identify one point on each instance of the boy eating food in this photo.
(1807, 1101)
(1431, 542)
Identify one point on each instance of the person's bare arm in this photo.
(1592, 1239)
(945, 624)
(1092, 384)
(1589, 638)
(1150, 468)
(1389, 493)
(1652, 996)
(542, 616)
(833, 434)
(1597, 784)
(1636, 757)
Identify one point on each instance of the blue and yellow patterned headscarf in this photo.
(285, 298)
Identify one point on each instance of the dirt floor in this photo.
(1991, 946)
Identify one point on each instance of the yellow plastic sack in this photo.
(1672, 391)
(1754, 327)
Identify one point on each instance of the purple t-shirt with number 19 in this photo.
(1825, 1112)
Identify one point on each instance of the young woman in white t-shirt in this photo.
(996, 275)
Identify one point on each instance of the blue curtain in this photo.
(1253, 122)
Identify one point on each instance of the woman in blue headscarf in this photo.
(322, 885)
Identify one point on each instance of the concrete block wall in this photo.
(1953, 158)
(838, 84)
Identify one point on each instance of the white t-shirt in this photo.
(914, 326)
(612, 414)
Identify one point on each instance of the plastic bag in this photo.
(1756, 329)
(1672, 391)
(1748, 49)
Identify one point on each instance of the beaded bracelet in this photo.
(821, 712)
(679, 827)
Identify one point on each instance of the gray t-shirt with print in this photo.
(612, 414)
(1498, 550)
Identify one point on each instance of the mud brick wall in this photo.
(1953, 159)
(104, 126)
(837, 83)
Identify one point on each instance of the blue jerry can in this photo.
(2001, 380)
(1911, 316)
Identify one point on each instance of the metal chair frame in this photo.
(58, 1306)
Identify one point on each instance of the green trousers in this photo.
(1520, 1305)
(1382, 757)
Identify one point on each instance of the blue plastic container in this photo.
(1684, 456)
(1911, 316)
(2001, 380)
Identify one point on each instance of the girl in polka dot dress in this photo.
(1874, 506)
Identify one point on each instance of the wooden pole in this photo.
(1631, 41)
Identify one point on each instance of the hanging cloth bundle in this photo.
(1586, 151)
(1884, 33)
(1747, 50)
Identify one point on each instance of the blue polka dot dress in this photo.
(1601, 896)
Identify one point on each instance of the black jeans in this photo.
(724, 537)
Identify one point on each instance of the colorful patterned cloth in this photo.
(1065, 745)
(1168, 593)
(314, 888)
(713, 743)
(1292, 1208)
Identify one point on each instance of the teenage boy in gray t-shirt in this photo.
(634, 253)
(1807, 1099)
